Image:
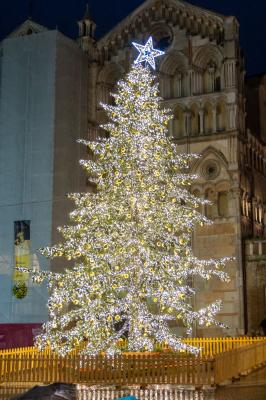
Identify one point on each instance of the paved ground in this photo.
(252, 387)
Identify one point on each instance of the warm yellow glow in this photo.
(131, 241)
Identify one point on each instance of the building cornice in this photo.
(172, 13)
(176, 9)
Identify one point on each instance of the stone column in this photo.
(187, 116)
(214, 119)
(211, 70)
(231, 116)
(264, 222)
(201, 114)
(190, 82)
(178, 82)
(230, 73)
(171, 128)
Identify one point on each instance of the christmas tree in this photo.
(130, 240)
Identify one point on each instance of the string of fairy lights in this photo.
(130, 242)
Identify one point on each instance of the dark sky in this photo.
(64, 14)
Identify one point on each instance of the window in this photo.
(21, 257)
(217, 84)
(210, 209)
(223, 204)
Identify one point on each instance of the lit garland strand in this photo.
(131, 241)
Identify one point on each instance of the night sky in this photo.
(107, 13)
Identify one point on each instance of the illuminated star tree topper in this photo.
(147, 53)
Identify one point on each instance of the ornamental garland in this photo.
(20, 290)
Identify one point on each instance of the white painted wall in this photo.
(26, 161)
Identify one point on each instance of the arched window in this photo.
(197, 82)
(243, 204)
(208, 119)
(173, 70)
(249, 207)
(195, 121)
(260, 213)
(223, 204)
(165, 86)
(255, 210)
(212, 78)
(108, 78)
(217, 84)
(209, 78)
(177, 85)
(221, 117)
(210, 209)
(178, 129)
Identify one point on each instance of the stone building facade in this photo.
(253, 202)
(202, 79)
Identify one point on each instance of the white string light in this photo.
(147, 53)
(131, 241)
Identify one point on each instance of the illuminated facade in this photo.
(202, 79)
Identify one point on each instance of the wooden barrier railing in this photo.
(134, 368)
(165, 367)
(232, 364)
(212, 346)
(209, 346)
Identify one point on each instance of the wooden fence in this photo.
(209, 346)
(212, 346)
(233, 363)
(217, 363)
(131, 369)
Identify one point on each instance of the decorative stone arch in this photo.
(210, 60)
(162, 35)
(245, 204)
(205, 54)
(210, 194)
(107, 80)
(111, 73)
(208, 117)
(260, 211)
(197, 188)
(177, 124)
(209, 153)
(194, 101)
(173, 72)
(222, 185)
(195, 119)
(223, 198)
(216, 187)
(221, 115)
(173, 60)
